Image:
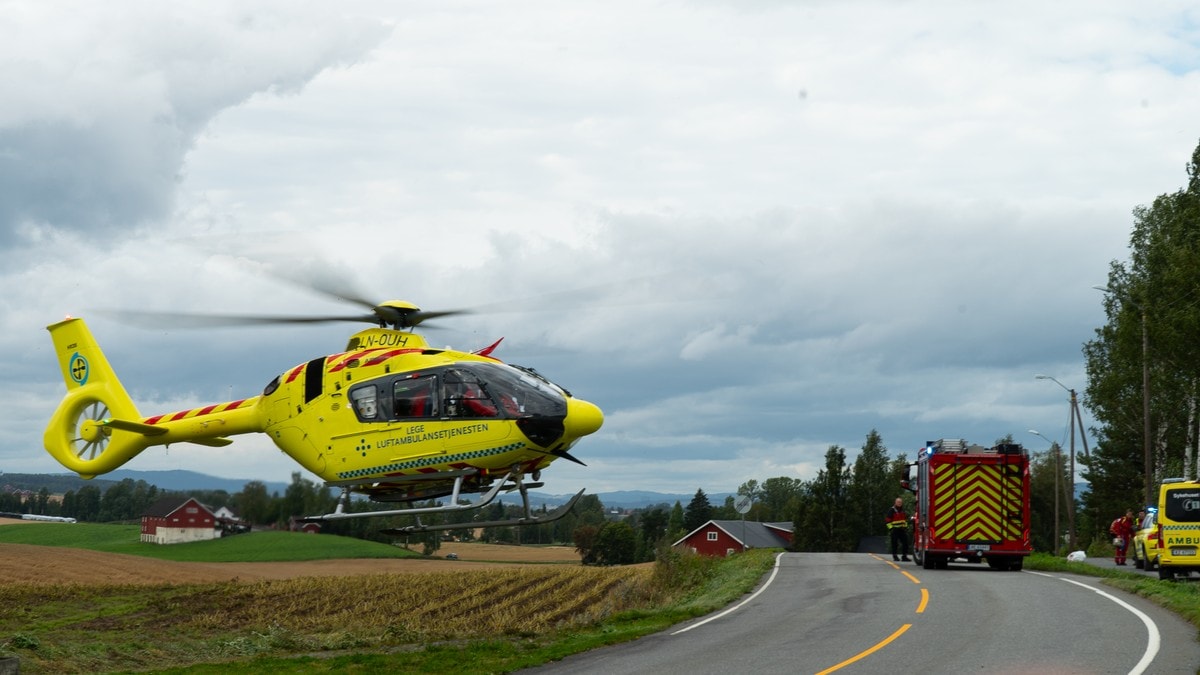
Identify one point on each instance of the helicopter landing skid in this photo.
(513, 480)
(526, 519)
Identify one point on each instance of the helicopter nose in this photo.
(583, 418)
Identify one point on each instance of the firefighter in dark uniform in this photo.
(897, 524)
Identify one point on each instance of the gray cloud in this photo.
(903, 248)
(98, 121)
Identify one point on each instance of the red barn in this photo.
(723, 537)
(175, 520)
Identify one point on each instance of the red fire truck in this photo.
(972, 504)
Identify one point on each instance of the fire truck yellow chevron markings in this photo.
(970, 510)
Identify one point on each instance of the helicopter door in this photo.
(474, 420)
(414, 398)
(465, 397)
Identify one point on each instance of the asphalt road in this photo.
(1129, 567)
(862, 613)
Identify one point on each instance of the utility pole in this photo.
(1076, 420)
(1146, 454)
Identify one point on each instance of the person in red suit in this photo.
(1122, 531)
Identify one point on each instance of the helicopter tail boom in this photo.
(78, 435)
(97, 427)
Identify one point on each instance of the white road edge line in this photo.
(1153, 642)
(739, 605)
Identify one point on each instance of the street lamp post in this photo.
(1057, 485)
(1075, 419)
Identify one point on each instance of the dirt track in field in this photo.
(24, 563)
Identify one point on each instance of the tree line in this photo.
(845, 503)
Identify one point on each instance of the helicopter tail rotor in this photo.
(92, 431)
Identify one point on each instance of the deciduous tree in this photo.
(615, 544)
(1153, 318)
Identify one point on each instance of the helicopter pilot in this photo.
(474, 402)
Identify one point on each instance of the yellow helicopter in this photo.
(390, 417)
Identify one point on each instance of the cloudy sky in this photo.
(751, 230)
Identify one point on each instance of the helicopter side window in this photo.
(414, 397)
(366, 402)
(465, 396)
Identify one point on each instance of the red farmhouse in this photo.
(175, 520)
(723, 537)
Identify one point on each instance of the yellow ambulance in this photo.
(1178, 527)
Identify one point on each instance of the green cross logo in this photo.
(79, 369)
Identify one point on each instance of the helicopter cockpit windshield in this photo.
(521, 394)
(462, 391)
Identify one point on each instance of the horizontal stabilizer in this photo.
(152, 430)
(135, 427)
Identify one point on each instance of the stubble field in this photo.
(78, 610)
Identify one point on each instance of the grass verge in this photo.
(1181, 597)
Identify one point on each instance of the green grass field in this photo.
(251, 547)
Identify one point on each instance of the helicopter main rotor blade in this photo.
(390, 315)
(315, 277)
(421, 317)
(200, 320)
(396, 314)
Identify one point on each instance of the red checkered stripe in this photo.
(201, 412)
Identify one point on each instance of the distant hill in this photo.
(56, 483)
(182, 481)
(623, 499)
(174, 481)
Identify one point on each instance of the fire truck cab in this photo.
(972, 503)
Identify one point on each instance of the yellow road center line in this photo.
(911, 578)
(868, 652)
(894, 565)
(924, 601)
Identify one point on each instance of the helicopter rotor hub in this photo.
(91, 431)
